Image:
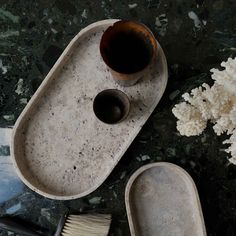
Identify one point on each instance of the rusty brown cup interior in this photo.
(127, 47)
(111, 106)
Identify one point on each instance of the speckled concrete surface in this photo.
(195, 35)
(65, 151)
(161, 199)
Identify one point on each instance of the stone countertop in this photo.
(195, 35)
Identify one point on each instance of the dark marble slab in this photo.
(195, 35)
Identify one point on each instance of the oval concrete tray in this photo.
(59, 148)
(161, 199)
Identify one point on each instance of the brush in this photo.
(69, 225)
(84, 225)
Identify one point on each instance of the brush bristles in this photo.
(87, 225)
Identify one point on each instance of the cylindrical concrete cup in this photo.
(111, 106)
(128, 48)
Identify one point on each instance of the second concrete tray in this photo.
(162, 200)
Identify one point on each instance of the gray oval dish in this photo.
(162, 200)
(60, 149)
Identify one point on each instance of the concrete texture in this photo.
(195, 35)
(161, 199)
(59, 146)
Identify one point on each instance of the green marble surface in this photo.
(195, 35)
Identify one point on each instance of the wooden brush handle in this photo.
(10, 224)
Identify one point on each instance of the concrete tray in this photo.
(162, 200)
(59, 147)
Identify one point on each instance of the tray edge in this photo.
(49, 77)
(177, 168)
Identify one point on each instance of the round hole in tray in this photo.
(111, 106)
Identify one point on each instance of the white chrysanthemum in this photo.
(226, 77)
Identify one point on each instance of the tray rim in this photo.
(175, 168)
(66, 54)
